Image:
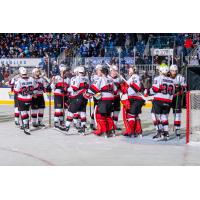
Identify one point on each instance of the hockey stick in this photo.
(90, 102)
(63, 100)
(95, 112)
(175, 110)
(47, 80)
(49, 109)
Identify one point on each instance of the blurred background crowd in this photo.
(39, 45)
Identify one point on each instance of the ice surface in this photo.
(50, 147)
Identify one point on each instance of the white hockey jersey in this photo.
(13, 81)
(117, 81)
(25, 88)
(94, 78)
(164, 88)
(180, 81)
(134, 87)
(78, 85)
(105, 86)
(59, 85)
(42, 83)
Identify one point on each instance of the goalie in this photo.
(104, 86)
(132, 104)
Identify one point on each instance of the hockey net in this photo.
(193, 116)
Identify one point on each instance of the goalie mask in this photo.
(164, 70)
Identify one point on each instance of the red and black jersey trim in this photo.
(135, 87)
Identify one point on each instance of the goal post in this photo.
(193, 105)
(193, 116)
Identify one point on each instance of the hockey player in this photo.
(25, 88)
(117, 81)
(135, 101)
(94, 78)
(60, 85)
(180, 87)
(38, 103)
(77, 107)
(163, 88)
(105, 87)
(12, 84)
(76, 116)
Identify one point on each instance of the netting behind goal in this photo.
(193, 116)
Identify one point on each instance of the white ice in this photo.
(49, 147)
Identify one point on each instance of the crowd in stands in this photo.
(33, 45)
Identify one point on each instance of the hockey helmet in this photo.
(99, 67)
(75, 70)
(164, 69)
(22, 71)
(62, 67)
(113, 67)
(35, 70)
(81, 70)
(173, 68)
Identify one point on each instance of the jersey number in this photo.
(167, 89)
(27, 90)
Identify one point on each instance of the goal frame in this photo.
(188, 117)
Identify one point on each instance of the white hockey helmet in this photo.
(81, 70)
(75, 70)
(164, 69)
(35, 70)
(173, 68)
(113, 67)
(62, 68)
(22, 71)
(98, 67)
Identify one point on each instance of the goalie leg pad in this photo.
(138, 127)
(126, 123)
(131, 122)
(110, 124)
(101, 124)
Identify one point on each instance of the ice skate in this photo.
(166, 135)
(178, 134)
(158, 135)
(41, 124)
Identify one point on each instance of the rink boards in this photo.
(7, 98)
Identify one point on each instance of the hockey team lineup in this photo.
(111, 93)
